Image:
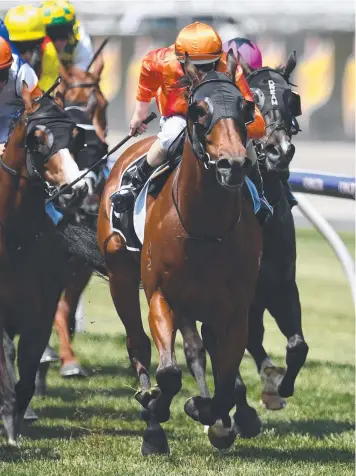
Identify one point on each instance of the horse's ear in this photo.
(290, 65)
(231, 65)
(26, 96)
(91, 105)
(60, 94)
(97, 67)
(245, 67)
(191, 71)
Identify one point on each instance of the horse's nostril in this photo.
(272, 151)
(223, 164)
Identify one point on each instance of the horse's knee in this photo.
(297, 350)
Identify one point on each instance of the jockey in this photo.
(28, 33)
(13, 71)
(160, 71)
(73, 44)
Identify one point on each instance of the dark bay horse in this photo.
(86, 105)
(36, 159)
(200, 260)
(276, 289)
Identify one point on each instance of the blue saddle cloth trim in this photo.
(254, 195)
(53, 213)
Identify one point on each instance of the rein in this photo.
(203, 156)
(190, 236)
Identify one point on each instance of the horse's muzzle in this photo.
(231, 172)
(279, 156)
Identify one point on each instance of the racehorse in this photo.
(276, 288)
(86, 105)
(200, 259)
(35, 161)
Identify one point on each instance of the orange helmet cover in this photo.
(202, 43)
(6, 58)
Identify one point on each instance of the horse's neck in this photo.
(16, 197)
(272, 185)
(206, 208)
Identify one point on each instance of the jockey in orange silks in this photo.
(160, 71)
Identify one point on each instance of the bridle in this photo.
(279, 124)
(196, 138)
(34, 177)
(196, 141)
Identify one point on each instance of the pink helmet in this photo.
(249, 51)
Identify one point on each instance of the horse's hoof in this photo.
(13, 443)
(145, 396)
(247, 422)
(271, 377)
(30, 415)
(72, 370)
(49, 355)
(199, 409)
(272, 401)
(221, 436)
(154, 441)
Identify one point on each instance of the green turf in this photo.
(91, 427)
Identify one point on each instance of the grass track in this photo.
(91, 427)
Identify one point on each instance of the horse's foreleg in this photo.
(169, 377)
(270, 373)
(284, 306)
(7, 388)
(226, 345)
(195, 354)
(65, 319)
(246, 419)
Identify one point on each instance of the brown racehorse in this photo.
(84, 102)
(200, 259)
(36, 159)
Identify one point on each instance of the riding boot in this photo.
(266, 210)
(124, 199)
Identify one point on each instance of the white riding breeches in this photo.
(171, 127)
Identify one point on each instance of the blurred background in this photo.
(321, 31)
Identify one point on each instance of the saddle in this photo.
(130, 224)
(123, 223)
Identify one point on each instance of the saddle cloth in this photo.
(131, 224)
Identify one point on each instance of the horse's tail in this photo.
(81, 241)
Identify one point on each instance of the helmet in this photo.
(202, 43)
(6, 58)
(3, 30)
(249, 51)
(25, 23)
(58, 13)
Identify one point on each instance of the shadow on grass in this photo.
(295, 455)
(85, 412)
(9, 454)
(72, 433)
(317, 428)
